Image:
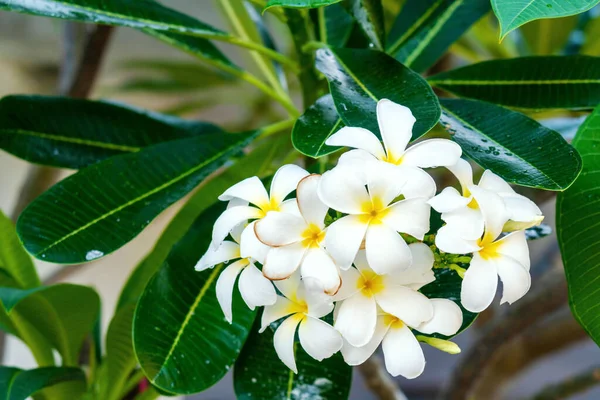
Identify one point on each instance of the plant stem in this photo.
(272, 54)
(131, 383)
(379, 381)
(571, 386)
(276, 127)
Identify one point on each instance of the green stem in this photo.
(131, 383)
(276, 127)
(571, 386)
(38, 345)
(272, 54)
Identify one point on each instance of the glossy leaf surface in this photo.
(527, 154)
(335, 25)
(369, 16)
(17, 384)
(312, 129)
(300, 3)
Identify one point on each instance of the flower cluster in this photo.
(352, 241)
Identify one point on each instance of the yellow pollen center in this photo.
(298, 307)
(312, 236)
(370, 283)
(373, 211)
(392, 159)
(490, 248)
(393, 322)
(272, 205)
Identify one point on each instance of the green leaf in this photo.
(260, 374)
(256, 163)
(181, 338)
(74, 133)
(527, 154)
(134, 14)
(358, 79)
(335, 25)
(53, 313)
(299, 3)
(577, 229)
(17, 384)
(571, 82)
(369, 16)
(99, 209)
(424, 30)
(591, 45)
(548, 36)
(312, 129)
(514, 13)
(14, 260)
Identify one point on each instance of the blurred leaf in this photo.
(181, 338)
(538, 232)
(527, 154)
(514, 13)
(591, 46)
(299, 3)
(571, 82)
(548, 36)
(52, 311)
(17, 384)
(134, 14)
(335, 25)
(99, 209)
(425, 29)
(369, 16)
(14, 260)
(312, 129)
(260, 374)
(74, 133)
(358, 79)
(577, 221)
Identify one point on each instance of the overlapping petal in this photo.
(395, 123)
(432, 153)
(386, 251)
(356, 319)
(447, 318)
(402, 353)
(479, 284)
(283, 340)
(225, 284)
(256, 290)
(412, 307)
(319, 339)
(285, 182)
(358, 138)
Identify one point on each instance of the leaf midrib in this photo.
(500, 82)
(67, 139)
(413, 28)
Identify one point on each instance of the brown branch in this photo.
(574, 385)
(379, 381)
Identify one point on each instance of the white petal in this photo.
(417, 183)
(343, 239)
(493, 209)
(521, 209)
(516, 280)
(312, 208)
(402, 353)
(420, 272)
(463, 172)
(319, 304)
(493, 182)
(230, 219)
(412, 307)
(343, 190)
(356, 160)
(224, 287)
(448, 200)
(466, 222)
(384, 180)
(289, 286)
(515, 245)
(360, 261)
(280, 229)
(285, 181)
(250, 246)
(281, 262)
(235, 202)
(479, 285)
(225, 252)
(395, 123)
(358, 138)
(319, 268)
(450, 241)
(447, 318)
(432, 153)
(318, 338)
(350, 278)
(358, 355)
(280, 309)
(386, 251)
(256, 290)
(236, 232)
(409, 216)
(283, 340)
(356, 319)
(290, 206)
(251, 190)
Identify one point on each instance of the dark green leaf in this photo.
(335, 25)
(425, 29)
(514, 13)
(369, 16)
(312, 129)
(259, 374)
(74, 133)
(538, 232)
(134, 14)
(299, 3)
(527, 154)
(181, 338)
(577, 229)
(14, 260)
(548, 36)
(16, 384)
(102, 207)
(360, 78)
(571, 82)
(255, 163)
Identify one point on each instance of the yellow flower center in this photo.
(298, 307)
(473, 203)
(370, 283)
(312, 236)
(393, 322)
(272, 205)
(490, 248)
(393, 159)
(373, 211)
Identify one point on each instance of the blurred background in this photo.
(147, 73)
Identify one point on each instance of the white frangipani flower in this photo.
(252, 191)
(319, 339)
(395, 124)
(507, 257)
(256, 290)
(401, 349)
(297, 241)
(373, 216)
(363, 290)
